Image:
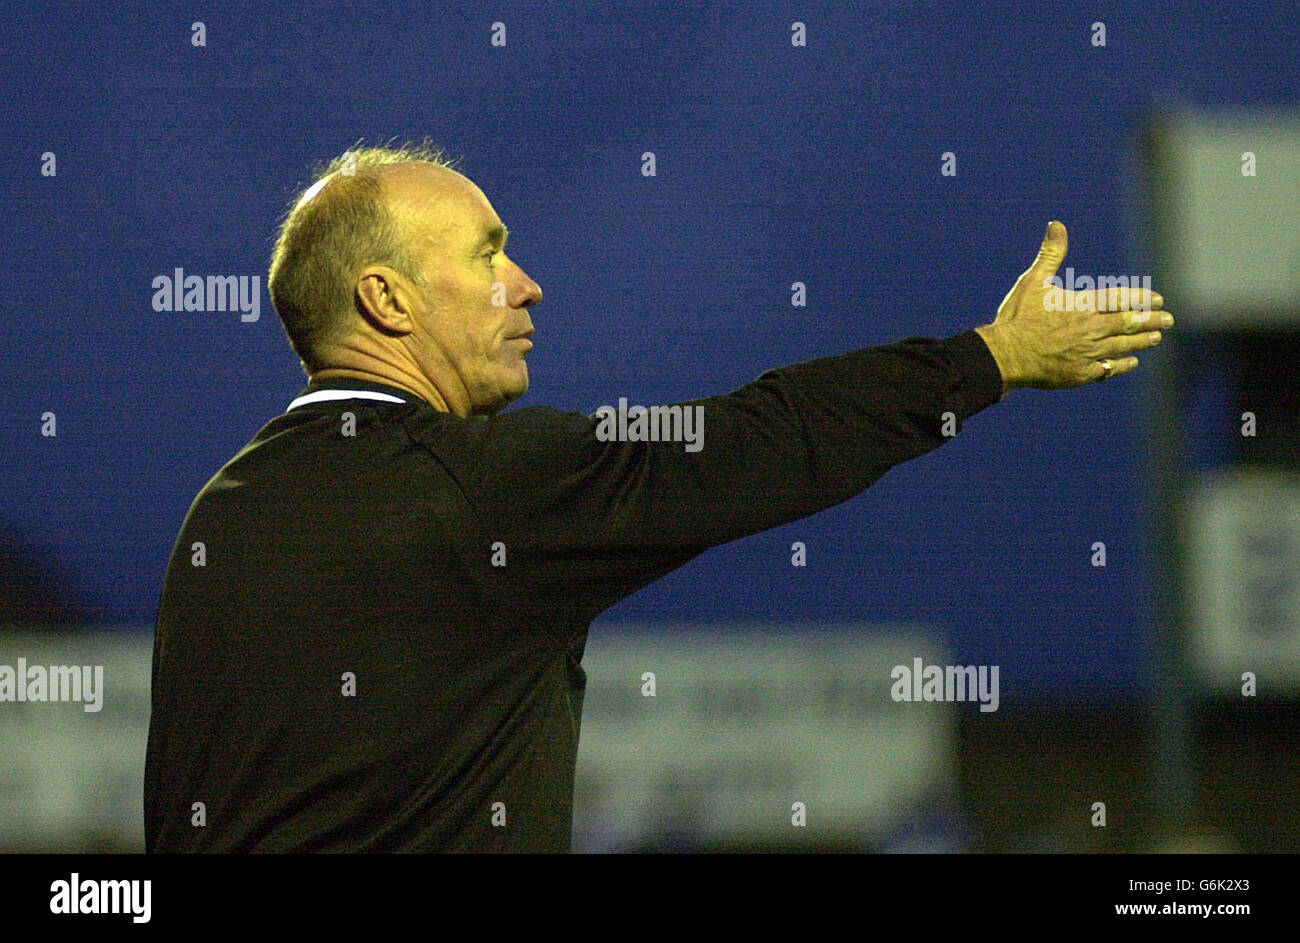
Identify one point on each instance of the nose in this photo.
(527, 292)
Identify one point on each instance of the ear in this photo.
(385, 299)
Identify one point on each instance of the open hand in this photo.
(1052, 339)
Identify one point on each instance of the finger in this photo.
(1125, 345)
(1124, 298)
(1135, 322)
(1117, 368)
(1051, 253)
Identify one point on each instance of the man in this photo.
(372, 626)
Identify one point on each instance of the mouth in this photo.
(526, 337)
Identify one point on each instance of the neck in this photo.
(403, 380)
(362, 356)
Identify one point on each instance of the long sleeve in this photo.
(587, 522)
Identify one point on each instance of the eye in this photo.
(488, 256)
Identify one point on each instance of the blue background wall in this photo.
(775, 164)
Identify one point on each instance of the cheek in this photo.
(468, 320)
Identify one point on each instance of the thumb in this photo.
(1052, 252)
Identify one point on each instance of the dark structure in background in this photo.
(1225, 423)
(33, 591)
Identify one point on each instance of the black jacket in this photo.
(349, 671)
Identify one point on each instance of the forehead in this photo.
(439, 202)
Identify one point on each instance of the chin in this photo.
(518, 384)
(506, 394)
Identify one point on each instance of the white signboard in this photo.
(1231, 203)
(1244, 571)
(742, 728)
(74, 720)
(746, 734)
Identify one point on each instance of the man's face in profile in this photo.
(458, 241)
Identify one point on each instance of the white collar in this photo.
(321, 396)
